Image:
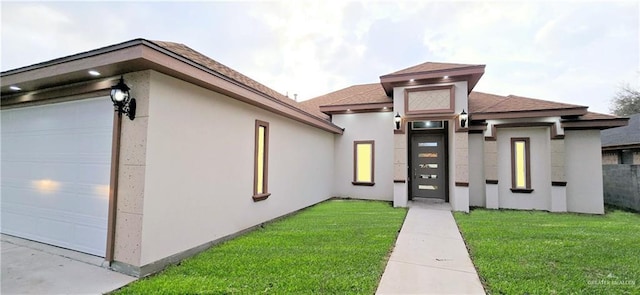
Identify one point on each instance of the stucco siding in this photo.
(364, 126)
(477, 191)
(199, 167)
(540, 154)
(584, 171)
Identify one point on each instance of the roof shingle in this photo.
(480, 102)
(625, 135)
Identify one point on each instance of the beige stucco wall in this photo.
(477, 192)
(364, 126)
(199, 167)
(584, 171)
(557, 160)
(539, 139)
(400, 157)
(491, 159)
(131, 174)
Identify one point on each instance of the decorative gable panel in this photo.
(429, 100)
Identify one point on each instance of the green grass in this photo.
(525, 252)
(336, 247)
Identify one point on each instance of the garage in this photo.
(55, 173)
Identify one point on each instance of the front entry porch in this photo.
(431, 161)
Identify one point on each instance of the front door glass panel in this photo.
(428, 166)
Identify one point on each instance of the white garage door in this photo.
(55, 173)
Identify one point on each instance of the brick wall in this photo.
(622, 185)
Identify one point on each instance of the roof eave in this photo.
(474, 74)
(600, 124)
(621, 147)
(579, 111)
(137, 55)
(363, 107)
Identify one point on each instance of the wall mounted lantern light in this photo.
(397, 119)
(122, 101)
(463, 119)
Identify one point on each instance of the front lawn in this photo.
(336, 247)
(525, 252)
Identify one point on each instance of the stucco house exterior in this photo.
(212, 153)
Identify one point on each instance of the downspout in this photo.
(113, 186)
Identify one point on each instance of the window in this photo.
(520, 165)
(424, 125)
(261, 161)
(363, 166)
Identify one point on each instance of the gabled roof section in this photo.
(483, 106)
(364, 97)
(204, 60)
(622, 136)
(433, 72)
(430, 67)
(173, 59)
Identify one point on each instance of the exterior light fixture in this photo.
(446, 77)
(463, 119)
(397, 119)
(15, 88)
(122, 100)
(94, 73)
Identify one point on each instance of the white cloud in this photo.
(550, 50)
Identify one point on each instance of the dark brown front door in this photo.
(428, 160)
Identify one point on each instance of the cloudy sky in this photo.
(575, 52)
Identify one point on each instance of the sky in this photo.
(567, 51)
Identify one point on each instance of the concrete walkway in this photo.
(35, 268)
(430, 256)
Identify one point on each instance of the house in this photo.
(621, 145)
(621, 164)
(209, 153)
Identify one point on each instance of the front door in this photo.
(428, 160)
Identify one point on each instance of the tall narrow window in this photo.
(363, 165)
(261, 162)
(520, 165)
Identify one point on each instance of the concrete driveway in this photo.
(34, 268)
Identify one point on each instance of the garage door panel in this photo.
(88, 198)
(56, 172)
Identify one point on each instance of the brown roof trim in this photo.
(474, 69)
(367, 107)
(594, 124)
(140, 54)
(621, 147)
(553, 129)
(577, 111)
(471, 74)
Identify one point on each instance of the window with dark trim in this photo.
(261, 162)
(363, 164)
(520, 165)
